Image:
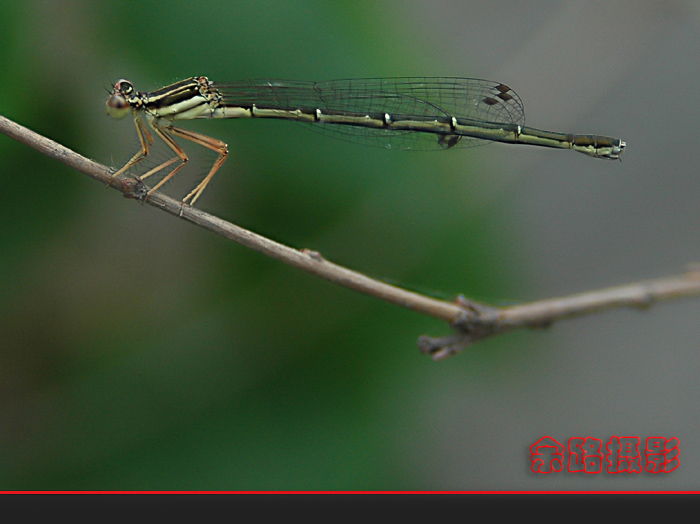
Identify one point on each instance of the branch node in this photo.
(474, 322)
(475, 318)
(134, 188)
(315, 255)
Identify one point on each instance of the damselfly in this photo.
(402, 113)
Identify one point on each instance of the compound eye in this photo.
(124, 87)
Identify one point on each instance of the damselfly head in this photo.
(118, 104)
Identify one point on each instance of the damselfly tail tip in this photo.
(618, 150)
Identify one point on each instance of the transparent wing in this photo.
(467, 99)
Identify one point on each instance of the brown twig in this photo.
(472, 321)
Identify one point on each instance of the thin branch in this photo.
(471, 320)
(310, 261)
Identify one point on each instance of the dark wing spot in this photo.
(505, 97)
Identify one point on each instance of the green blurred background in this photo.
(140, 352)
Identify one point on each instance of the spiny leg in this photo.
(181, 155)
(146, 140)
(165, 134)
(208, 142)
